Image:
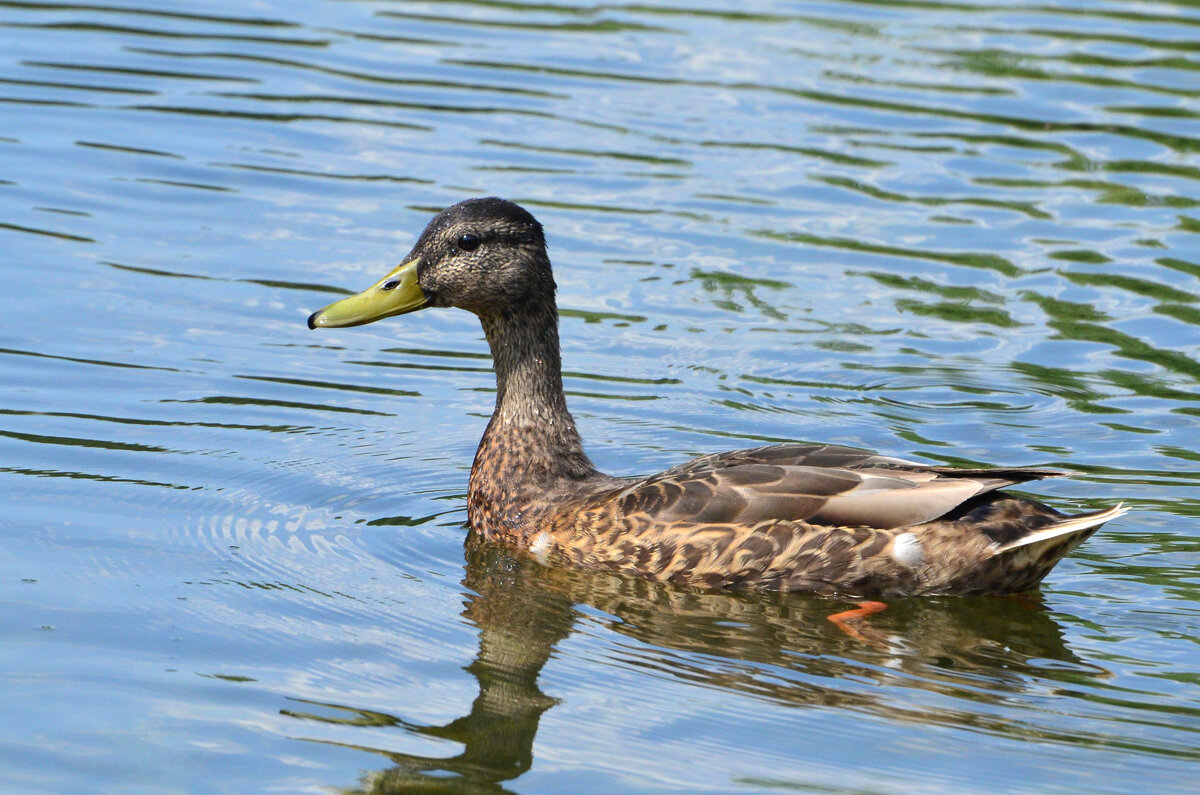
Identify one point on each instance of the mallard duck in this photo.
(793, 517)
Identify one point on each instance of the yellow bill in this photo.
(394, 294)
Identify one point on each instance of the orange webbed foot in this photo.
(848, 620)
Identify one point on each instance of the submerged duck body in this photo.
(795, 517)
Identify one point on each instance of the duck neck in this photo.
(528, 366)
(531, 450)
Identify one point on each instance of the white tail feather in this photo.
(1066, 527)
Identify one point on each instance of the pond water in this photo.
(232, 552)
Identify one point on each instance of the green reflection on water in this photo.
(777, 648)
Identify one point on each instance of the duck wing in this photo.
(825, 456)
(817, 484)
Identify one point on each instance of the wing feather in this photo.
(819, 484)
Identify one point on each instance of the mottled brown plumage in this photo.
(795, 517)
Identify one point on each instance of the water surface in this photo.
(232, 550)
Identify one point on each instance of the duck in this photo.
(797, 517)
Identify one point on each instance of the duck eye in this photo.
(468, 242)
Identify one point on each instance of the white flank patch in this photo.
(907, 551)
(541, 547)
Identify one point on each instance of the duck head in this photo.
(487, 256)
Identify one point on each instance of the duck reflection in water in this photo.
(523, 610)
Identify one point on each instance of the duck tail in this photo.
(1068, 533)
(1036, 554)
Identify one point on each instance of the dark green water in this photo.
(232, 550)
